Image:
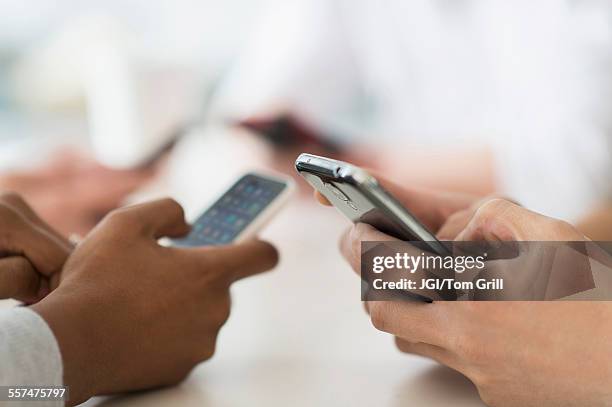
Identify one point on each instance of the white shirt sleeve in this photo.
(29, 353)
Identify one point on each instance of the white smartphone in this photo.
(240, 212)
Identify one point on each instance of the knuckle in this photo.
(179, 375)
(493, 207)
(205, 351)
(11, 224)
(121, 216)
(7, 214)
(115, 215)
(465, 348)
(485, 389)
(223, 313)
(208, 351)
(173, 204)
(402, 345)
(168, 206)
(456, 217)
(12, 198)
(492, 213)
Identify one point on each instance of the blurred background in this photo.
(104, 103)
(474, 96)
(91, 92)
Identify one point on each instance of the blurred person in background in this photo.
(473, 96)
(72, 192)
(109, 81)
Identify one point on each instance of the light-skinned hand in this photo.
(516, 353)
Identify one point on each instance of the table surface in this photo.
(299, 335)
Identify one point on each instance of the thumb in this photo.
(502, 220)
(241, 260)
(157, 219)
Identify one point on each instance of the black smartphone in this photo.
(361, 198)
(286, 131)
(240, 212)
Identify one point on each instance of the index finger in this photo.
(351, 248)
(350, 242)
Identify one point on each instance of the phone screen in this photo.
(231, 214)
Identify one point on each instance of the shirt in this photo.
(29, 353)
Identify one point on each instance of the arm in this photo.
(73, 183)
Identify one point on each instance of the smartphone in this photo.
(286, 131)
(361, 198)
(240, 212)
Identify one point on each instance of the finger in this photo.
(350, 242)
(22, 238)
(19, 280)
(322, 200)
(455, 224)
(16, 202)
(431, 207)
(412, 321)
(501, 220)
(239, 261)
(434, 352)
(157, 219)
(19, 204)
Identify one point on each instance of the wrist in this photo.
(70, 328)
